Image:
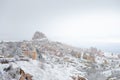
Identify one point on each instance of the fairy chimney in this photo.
(34, 54)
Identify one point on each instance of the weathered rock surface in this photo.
(38, 35)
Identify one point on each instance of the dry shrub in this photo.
(78, 78)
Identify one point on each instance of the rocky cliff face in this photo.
(38, 35)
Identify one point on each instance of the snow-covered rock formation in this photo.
(42, 59)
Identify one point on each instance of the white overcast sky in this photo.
(70, 21)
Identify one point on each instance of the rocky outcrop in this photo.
(38, 35)
(25, 76)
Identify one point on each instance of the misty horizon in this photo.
(77, 23)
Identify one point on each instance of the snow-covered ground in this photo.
(44, 70)
(56, 68)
